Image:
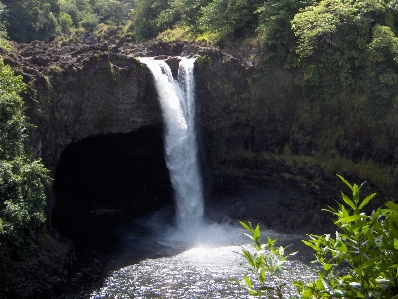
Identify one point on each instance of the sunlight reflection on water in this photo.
(200, 272)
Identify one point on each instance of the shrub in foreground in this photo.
(359, 261)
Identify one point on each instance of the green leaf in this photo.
(366, 200)
(262, 275)
(351, 218)
(355, 194)
(372, 261)
(319, 284)
(266, 288)
(248, 257)
(247, 227)
(344, 211)
(256, 234)
(346, 182)
(327, 267)
(306, 294)
(371, 239)
(311, 244)
(248, 281)
(359, 224)
(348, 201)
(393, 206)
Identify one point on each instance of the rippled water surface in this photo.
(204, 271)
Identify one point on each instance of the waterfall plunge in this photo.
(177, 100)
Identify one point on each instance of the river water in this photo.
(152, 258)
(192, 264)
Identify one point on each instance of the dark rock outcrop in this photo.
(42, 272)
(261, 155)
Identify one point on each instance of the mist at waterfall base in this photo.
(189, 257)
(199, 262)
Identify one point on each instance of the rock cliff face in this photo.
(259, 150)
(244, 127)
(82, 92)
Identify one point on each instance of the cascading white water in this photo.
(177, 99)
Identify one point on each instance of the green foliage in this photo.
(5, 43)
(30, 20)
(66, 22)
(180, 13)
(232, 18)
(274, 27)
(70, 8)
(348, 52)
(384, 44)
(266, 260)
(320, 24)
(13, 122)
(362, 260)
(22, 196)
(350, 40)
(144, 21)
(45, 19)
(203, 60)
(3, 32)
(46, 25)
(22, 179)
(112, 12)
(90, 21)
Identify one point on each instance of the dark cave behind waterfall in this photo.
(106, 181)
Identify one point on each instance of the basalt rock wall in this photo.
(85, 92)
(244, 128)
(262, 156)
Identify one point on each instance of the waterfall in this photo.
(177, 100)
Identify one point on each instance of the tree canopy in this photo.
(45, 19)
